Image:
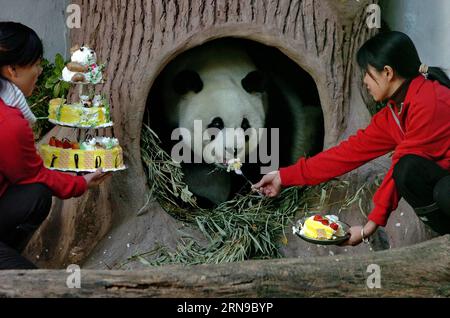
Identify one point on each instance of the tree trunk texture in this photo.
(422, 270)
(137, 39)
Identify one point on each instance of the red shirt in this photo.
(20, 162)
(420, 127)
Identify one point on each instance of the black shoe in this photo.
(11, 259)
(19, 237)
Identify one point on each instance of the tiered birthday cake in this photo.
(92, 111)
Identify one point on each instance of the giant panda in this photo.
(218, 84)
(229, 84)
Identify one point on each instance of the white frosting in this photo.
(97, 100)
(332, 218)
(106, 142)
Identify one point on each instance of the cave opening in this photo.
(292, 116)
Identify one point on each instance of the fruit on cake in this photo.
(90, 112)
(322, 227)
(98, 152)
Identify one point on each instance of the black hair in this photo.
(19, 45)
(397, 50)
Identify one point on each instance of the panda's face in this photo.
(84, 55)
(231, 108)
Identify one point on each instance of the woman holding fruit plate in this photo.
(414, 124)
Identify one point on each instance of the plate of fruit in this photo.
(324, 230)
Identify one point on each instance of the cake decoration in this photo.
(83, 67)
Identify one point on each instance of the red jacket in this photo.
(420, 127)
(20, 163)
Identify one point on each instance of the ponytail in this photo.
(437, 74)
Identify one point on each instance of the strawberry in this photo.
(52, 141)
(325, 222)
(75, 145)
(318, 217)
(67, 144)
(58, 143)
(334, 226)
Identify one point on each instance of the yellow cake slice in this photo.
(317, 230)
(322, 228)
(77, 115)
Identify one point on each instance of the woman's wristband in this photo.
(364, 239)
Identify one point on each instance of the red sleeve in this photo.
(365, 145)
(427, 135)
(385, 199)
(21, 164)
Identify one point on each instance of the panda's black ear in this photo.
(187, 81)
(255, 81)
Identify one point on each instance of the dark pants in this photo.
(426, 187)
(22, 209)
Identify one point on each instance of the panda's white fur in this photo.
(84, 55)
(221, 67)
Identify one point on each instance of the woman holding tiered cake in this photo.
(26, 186)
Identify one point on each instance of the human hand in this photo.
(355, 233)
(269, 185)
(93, 179)
(355, 236)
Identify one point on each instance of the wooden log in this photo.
(421, 270)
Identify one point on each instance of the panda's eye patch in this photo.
(245, 124)
(254, 82)
(81, 49)
(217, 123)
(187, 81)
